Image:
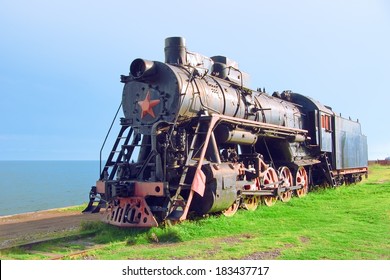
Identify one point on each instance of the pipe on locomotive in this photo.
(175, 50)
(175, 53)
(225, 134)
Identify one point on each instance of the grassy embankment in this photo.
(349, 222)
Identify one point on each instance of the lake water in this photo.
(27, 186)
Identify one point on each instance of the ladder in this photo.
(122, 150)
(123, 154)
(329, 172)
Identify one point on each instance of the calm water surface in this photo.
(27, 186)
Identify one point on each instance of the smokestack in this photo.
(175, 50)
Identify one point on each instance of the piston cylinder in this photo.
(220, 192)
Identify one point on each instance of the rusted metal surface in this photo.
(130, 212)
(144, 189)
(232, 209)
(250, 202)
(362, 170)
(101, 186)
(286, 178)
(301, 179)
(270, 177)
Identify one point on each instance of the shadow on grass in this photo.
(105, 233)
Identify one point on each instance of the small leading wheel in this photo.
(171, 223)
(270, 180)
(287, 181)
(232, 209)
(301, 179)
(250, 202)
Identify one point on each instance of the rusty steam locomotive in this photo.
(195, 139)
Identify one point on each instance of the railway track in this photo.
(56, 248)
(50, 234)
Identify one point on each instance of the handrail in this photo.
(105, 139)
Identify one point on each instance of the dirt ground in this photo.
(41, 225)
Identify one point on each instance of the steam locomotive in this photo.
(195, 139)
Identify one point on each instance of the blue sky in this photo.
(60, 61)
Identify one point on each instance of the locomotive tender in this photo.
(195, 139)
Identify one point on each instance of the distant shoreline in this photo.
(74, 208)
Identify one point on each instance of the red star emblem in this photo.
(147, 106)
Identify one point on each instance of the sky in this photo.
(60, 62)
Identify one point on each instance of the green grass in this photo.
(349, 222)
(77, 208)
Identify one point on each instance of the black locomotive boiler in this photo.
(196, 139)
